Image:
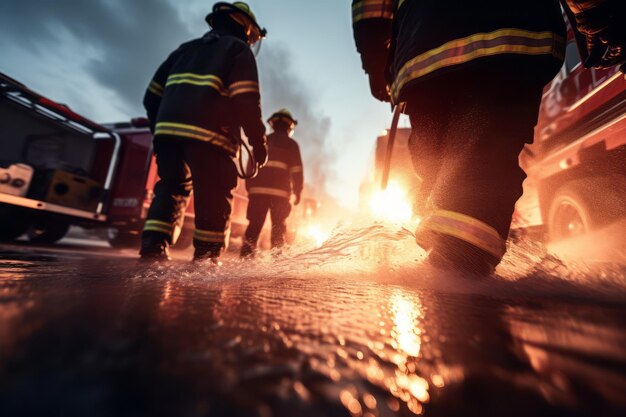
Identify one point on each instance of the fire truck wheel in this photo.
(583, 205)
(15, 222)
(124, 239)
(185, 240)
(47, 230)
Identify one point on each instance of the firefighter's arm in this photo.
(371, 24)
(243, 90)
(296, 172)
(154, 92)
(602, 24)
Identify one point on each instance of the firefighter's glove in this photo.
(378, 86)
(259, 152)
(296, 201)
(605, 32)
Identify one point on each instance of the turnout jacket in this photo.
(283, 173)
(207, 90)
(409, 41)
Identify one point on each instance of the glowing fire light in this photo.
(391, 205)
(315, 233)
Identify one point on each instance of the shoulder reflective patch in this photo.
(372, 9)
(195, 132)
(480, 45)
(295, 169)
(276, 192)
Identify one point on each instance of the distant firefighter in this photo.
(271, 190)
(197, 102)
(472, 78)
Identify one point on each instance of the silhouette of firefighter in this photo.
(271, 190)
(471, 81)
(197, 102)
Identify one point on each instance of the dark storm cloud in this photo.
(282, 87)
(128, 39)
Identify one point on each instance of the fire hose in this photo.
(242, 171)
(390, 143)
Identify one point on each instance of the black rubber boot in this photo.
(247, 251)
(447, 252)
(155, 247)
(207, 252)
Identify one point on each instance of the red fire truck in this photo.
(577, 164)
(59, 169)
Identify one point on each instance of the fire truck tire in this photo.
(583, 205)
(15, 222)
(124, 239)
(47, 230)
(185, 240)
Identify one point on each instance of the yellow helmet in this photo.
(282, 114)
(242, 14)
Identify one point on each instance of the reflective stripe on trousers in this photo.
(465, 228)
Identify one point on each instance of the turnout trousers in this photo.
(185, 165)
(468, 131)
(258, 206)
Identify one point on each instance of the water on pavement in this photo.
(355, 327)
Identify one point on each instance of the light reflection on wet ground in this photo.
(301, 336)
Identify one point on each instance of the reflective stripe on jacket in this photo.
(408, 41)
(207, 90)
(283, 173)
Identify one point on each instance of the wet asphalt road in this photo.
(91, 333)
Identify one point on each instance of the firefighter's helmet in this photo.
(282, 115)
(241, 13)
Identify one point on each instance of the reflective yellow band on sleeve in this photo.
(199, 80)
(372, 9)
(211, 236)
(155, 88)
(295, 169)
(479, 45)
(276, 164)
(195, 132)
(242, 87)
(159, 226)
(276, 192)
(466, 228)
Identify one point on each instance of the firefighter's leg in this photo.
(258, 206)
(480, 180)
(426, 145)
(171, 194)
(279, 211)
(214, 178)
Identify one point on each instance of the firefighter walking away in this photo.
(271, 190)
(471, 81)
(197, 102)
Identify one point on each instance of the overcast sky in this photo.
(97, 56)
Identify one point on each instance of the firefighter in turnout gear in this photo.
(471, 79)
(272, 188)
(197, 102)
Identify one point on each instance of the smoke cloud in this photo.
(281, 87)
